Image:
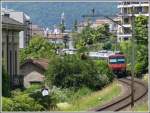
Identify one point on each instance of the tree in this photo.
(92, 36)
(38, 48)
(141, 29)
(75, 72)
(62, 26)
(141, 36)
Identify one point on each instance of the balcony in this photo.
(127, 25)
(124, 35)
(133, 4)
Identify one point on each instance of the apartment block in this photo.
(126, 7)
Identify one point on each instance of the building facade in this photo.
(125, 7)
(10, 47)
(24, 19)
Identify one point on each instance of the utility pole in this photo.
(132, 57)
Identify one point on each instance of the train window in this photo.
(113, 60)
(121, 60)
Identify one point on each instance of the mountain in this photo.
(47, 14)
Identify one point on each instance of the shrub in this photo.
(7, 104)
(72, 71)
(32, 88)
(48, 102)
(21, 103)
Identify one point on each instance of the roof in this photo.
(117, 55)
(10, 23)
(57, 36)
(41, 63)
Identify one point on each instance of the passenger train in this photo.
(116, 61)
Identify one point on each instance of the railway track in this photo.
(140, 90)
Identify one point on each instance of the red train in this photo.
(117, 63)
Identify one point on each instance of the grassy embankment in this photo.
(94, 99)
(144, 105)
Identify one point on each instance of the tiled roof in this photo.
(41, 63)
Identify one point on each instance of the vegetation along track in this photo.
(140, 90)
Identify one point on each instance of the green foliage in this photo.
(37, 48)
(141, 35)
(141, 45)
(90, 37)
(48, 101)
(106, 76)
(125, 47)
(32, 88)
(62, 26)
(7, 104)
(75, 72)
(20, 103)
(5, 83)
(141, 29)
(107, 46)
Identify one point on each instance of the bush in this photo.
(106, 75)
(7, 104)
(48, 102)
(71, 71)
(21, 103)
(32, 88)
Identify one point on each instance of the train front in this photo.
(117, 63)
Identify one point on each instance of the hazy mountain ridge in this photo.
(48, 14)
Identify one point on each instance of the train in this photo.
(117, 63)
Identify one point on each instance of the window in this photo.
(10, 62)
(35, 82)
(113, 61)
(121, 60)
(117, 60)
(126, 38)
(15, 65)
(127, 30)
(126, 20)
(139, 10)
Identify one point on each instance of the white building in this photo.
(140, 8)
(24, 19)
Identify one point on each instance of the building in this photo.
(24, 19)
(37, 30)
(10, 47)
(57, 37)
(125, 7)
(32, 71)
(100, 22)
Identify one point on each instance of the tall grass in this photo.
(142, 107)
(94, 99)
